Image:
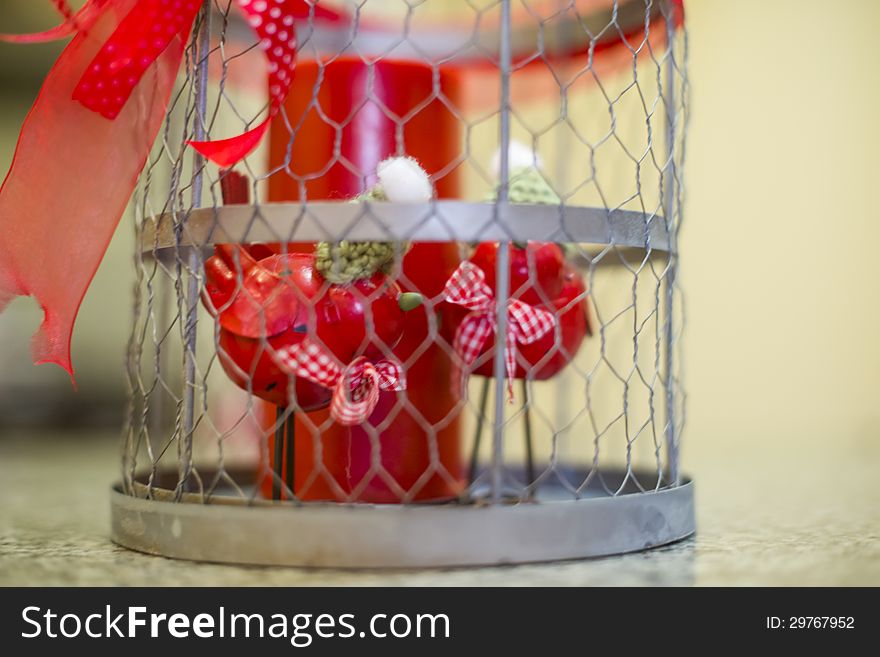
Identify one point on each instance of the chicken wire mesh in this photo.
(575, 223)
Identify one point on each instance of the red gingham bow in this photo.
(525, 324)
(355, 387)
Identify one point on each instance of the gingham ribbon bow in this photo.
(355, 387)
(525, 324)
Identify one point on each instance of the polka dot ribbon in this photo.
(355, 387)
(90, 131)
(151, 25)
(273, 21)
(525, 324)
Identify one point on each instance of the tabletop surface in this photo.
(769, 513)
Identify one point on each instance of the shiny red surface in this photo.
(545, 357)
(365, 124)
(361, 108)
(252, 365)
(535, 269)
(279, 299)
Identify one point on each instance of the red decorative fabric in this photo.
(355, 387)
(144, 34)
(525, 324)
(273, 21)
(70, 180)
(89, 133)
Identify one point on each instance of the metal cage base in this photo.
(403, 536)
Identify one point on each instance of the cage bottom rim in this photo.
(403, 536)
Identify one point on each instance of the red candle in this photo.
(366, 112)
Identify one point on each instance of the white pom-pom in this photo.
(519, 157)
(404, 181)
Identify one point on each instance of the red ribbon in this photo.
(87, 137)
(355, 387)
(525, 324)
(273, 21)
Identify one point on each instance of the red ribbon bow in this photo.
(525, 324)
(355, 387)
(88, 135)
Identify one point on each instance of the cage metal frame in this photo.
(171, 520)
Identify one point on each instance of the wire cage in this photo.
(314, 372)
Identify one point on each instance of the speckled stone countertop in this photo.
(768, 514)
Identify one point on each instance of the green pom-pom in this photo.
(350, 261)
(529, 186)
(347, 262)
